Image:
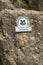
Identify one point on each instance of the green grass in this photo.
(1, 62)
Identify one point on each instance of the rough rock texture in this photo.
(15, 3)
(5, 4)
(21, 48)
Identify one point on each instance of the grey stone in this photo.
(21, 48)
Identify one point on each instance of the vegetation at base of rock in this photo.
(1, 62)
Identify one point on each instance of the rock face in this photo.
(5, 4)
(21, 48)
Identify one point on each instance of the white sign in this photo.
(23, 25)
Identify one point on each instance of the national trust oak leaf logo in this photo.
(23, 24)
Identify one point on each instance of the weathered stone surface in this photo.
(21, 48)
(6, 4)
